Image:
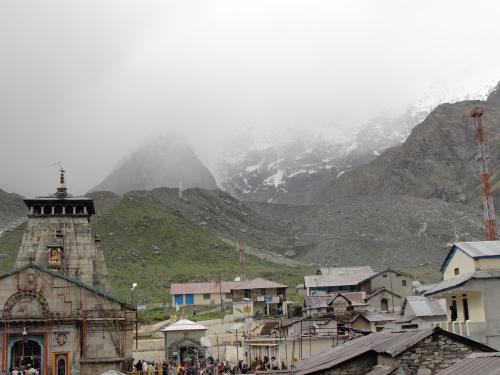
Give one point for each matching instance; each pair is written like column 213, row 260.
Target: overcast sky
column 85, row 82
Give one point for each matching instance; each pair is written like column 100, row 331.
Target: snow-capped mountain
column 293, row 166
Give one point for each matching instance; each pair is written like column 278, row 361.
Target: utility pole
column 483, row 158
column 243, row 275
column 220, row 292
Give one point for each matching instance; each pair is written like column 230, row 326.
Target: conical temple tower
column 58, row 236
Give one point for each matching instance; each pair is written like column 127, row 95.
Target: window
column 403, row 282
column 384, row 275
column 228, row 296
column 206, row 296
column 263, row 292
column 248, row 293
column 457, row 271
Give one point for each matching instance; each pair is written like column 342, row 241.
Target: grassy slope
column 132, row 230
column 10, row 241
column 147, row 245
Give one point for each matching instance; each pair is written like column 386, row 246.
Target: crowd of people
column 23, row 370
column 205, row 367
column 198, row 367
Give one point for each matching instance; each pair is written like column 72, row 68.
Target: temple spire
column 61, row 187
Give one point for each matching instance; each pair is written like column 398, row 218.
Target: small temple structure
column 56, row 312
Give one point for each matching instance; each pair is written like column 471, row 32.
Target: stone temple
column 56, row 312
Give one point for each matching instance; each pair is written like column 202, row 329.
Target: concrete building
column 55, row 311
column 201, row 294
column 471, row 288
column 258, row 296
column 183, row 341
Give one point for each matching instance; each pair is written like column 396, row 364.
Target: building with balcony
column 471, row 288
column 264, row 297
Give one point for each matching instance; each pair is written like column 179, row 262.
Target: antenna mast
column 243, row 275
column 483, row 158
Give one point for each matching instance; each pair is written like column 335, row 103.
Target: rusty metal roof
column 225, row 286
column 477, row 364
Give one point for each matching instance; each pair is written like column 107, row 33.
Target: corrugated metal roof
column 225, row 286
column 345, row 270
column 185, row 325
column 423, row 306
column 461, row 280
column 479, row 249
column 356, row 298
column 333, row 280
column 258, row 283
column 379, row 317
column 477, row 364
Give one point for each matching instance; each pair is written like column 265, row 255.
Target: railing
column 466, row 328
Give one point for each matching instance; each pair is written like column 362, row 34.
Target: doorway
column 24, row 352
column 384, row 305
column 61, row 364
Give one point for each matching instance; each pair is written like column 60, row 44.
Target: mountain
column 296, row 165
column 165, row 162
column 12, row 209
column 436, row 161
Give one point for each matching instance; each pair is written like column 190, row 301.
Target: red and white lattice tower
column 483, row 158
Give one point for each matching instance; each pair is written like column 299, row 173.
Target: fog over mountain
column 87, row 82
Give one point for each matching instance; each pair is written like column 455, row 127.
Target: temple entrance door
column 61, row 364
column 26, row 352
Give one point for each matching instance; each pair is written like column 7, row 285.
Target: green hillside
column 149, row 246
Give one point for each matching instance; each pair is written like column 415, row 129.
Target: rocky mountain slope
column 165, row 162
column 12, row 209
column 436, row 161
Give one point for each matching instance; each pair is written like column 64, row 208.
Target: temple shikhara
column 56, row 312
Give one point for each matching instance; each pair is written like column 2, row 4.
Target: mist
column 86, row 82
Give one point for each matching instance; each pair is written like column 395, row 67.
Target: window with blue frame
column 179, row 299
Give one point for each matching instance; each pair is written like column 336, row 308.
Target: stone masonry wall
column 359, row 366
column 432, row 355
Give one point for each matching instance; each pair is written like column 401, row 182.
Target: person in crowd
column 274, row 364
column 144, row 368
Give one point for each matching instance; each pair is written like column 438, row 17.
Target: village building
column 325, row 305
column 471, row 288
column 249, row 297
column 56, row 312
column 201, row 294
column 406, row 352
column 183, row 341
column 421, row 312
column 384, row 290
column 370, row 321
